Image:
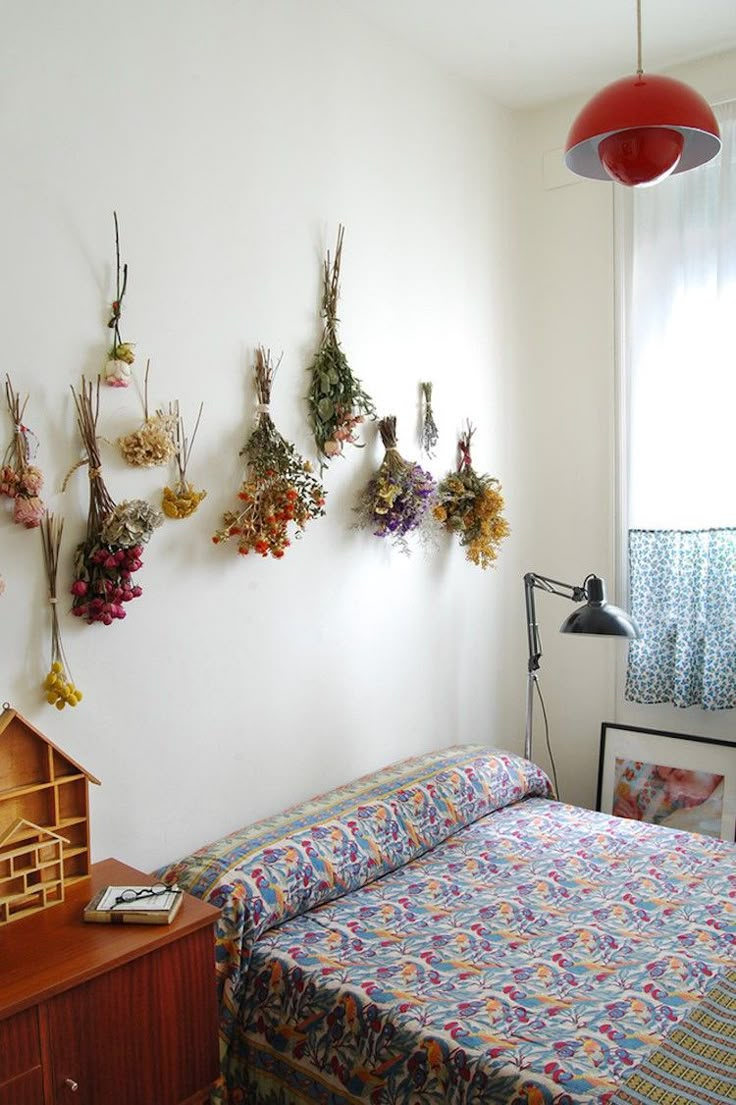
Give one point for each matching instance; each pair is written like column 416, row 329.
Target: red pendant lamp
column 638, row 130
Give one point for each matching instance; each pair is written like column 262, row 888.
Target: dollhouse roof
column 21, row 827
column 7, row 717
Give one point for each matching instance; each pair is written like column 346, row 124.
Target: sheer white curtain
column 679, row 350
column 677, row 263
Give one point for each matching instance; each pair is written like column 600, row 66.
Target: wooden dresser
column 96, row 1014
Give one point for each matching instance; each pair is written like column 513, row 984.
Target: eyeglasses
column 131, row 894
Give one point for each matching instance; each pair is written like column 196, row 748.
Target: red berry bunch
column 103, row 581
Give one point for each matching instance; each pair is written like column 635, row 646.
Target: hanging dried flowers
column 182, row 499
column 20, row 480
column 395, row 501
column 105, row 561
column 279, row 486
column 337, row 401
column 121, row 355
column 153, row 443
column 58, row 685
column 471, row 506
column 430, row 433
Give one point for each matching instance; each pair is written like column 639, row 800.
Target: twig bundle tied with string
column 279, row 487
column 471, row 505
column 337, row 400
column 152, row 443
column 20, row 480
column 430, row 434
column 111, row 552
column 121, row 355
column 396, row 500
column 58, row 685
column 182, row 499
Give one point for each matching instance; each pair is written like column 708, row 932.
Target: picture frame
column 677, row 780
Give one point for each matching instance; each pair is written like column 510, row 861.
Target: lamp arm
column 533, row 581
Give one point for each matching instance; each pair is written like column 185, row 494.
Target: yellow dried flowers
column 471, row 506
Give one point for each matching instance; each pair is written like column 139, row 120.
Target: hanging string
column 639, row 69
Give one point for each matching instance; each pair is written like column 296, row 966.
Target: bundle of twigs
column 182, row 499
column 105, row 561
column 58, row 684
column 20, row 480
column 337, row 401
column 279, row 487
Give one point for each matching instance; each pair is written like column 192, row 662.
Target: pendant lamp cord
column 639, row 68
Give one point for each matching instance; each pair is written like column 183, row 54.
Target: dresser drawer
column 20, row 1048
column 27, row 1089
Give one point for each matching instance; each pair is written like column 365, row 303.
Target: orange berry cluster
column 270, row 503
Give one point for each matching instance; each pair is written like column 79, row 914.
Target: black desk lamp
column 596, row 617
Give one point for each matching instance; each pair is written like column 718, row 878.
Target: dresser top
column 55, row 950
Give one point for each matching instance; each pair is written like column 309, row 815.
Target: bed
column 443, row 932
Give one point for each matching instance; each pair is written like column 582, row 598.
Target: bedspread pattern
column 281, row 867
column 536, row 957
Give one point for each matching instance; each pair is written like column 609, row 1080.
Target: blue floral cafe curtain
column 683, row 597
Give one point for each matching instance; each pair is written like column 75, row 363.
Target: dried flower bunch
column 279, row 487
column 20, row 480
column 152, row 443
column 182, row 499
column 471, row 505
column 58, row 685
column 396, row 500
column 337, row 401
column 105, row 561
column 430, row 434
column 121, row 355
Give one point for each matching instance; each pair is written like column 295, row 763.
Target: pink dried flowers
column 105, row 561
column 20, row 480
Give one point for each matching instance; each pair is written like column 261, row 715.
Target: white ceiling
column 527, row 52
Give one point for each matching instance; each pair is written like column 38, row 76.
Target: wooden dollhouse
column 44, row 819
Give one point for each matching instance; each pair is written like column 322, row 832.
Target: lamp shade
column 598, row 617
column 640, row 129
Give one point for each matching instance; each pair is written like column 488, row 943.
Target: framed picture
column 671, row 779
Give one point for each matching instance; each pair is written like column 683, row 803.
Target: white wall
column 566, row 272
column 232, row 138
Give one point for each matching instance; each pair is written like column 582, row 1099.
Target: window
column 677, row 246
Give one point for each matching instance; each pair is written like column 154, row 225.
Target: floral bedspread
column 537, row 955
column 280, row 868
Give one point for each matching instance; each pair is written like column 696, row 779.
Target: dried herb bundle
column 470, row 506
column 20, row 480
column 105, row 561
column 58, row 685
column 279, row 487
column 152, row 443
column 182, row 499
column 121, row 355
column 337, row 401
column 430, row 434
column 395, row 501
